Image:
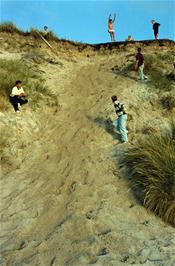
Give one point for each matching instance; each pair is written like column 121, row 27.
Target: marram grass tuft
column 151, row 166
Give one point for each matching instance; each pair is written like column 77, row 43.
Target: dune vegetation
column 10, row 27
column 12, row 70
column 155, row 66
column 151, row 166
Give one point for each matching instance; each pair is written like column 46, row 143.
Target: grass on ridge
column 10, row 27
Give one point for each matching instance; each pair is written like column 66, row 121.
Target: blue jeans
column 121, row 127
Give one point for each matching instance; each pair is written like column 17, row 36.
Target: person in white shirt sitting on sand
column 18, row 96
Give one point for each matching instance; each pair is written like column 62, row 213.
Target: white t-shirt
column 16, row 91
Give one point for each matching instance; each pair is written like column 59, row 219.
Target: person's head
column 139, row 50
column 110, row 20
column 45, row 28
column 18, row 84
column 152, row 21
column 114, row 98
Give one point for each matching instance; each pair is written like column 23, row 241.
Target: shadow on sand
column 119, row 154
column 107, row 124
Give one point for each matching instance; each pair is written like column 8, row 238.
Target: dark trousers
column 17, row 99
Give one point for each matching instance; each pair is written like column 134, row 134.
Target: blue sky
column 86, row 21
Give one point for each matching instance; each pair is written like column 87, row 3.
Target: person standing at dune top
column 156, row 26
column 111, row 27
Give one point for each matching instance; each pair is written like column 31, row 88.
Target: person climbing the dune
column 18, row 96
column 121, row 118
column 111, row 27
column 140, row 64
column 156, row 26
column 45, row 32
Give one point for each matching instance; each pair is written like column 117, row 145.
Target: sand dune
column 66, row 201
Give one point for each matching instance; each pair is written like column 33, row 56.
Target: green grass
column 151, row 166
column 155, row 66
column 33, row 83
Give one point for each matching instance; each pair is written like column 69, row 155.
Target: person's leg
column 139, row 72
column 156, row 35
column 144, row 76
column 141, row 76
column 14, row 102
column 22, row 101
column 113, row 36
column 124, row 137
column 118, row 124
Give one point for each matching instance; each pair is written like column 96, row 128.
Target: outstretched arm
column 114, row 18
column 109, row 17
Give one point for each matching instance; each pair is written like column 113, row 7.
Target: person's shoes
column 17, row 111
column 125, row 142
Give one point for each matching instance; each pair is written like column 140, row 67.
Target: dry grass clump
column 151, row 165
column 5, row 136
column 9, row 27
column 168, row 102
column 51, row 36
column 12, row 70
column 155, row 66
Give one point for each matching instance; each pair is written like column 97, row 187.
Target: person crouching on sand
column 18, row 96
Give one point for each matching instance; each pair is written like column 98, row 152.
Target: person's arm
column 109, row 17
column 124, row 108
column 136, row 64
column 22, row 94
column 13, row 93
column 114, row 18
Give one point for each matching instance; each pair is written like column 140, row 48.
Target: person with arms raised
column 111, row 27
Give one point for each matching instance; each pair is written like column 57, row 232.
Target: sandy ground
column 67, row 202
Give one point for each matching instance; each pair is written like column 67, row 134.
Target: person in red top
column 140, row 64
column 111, row 27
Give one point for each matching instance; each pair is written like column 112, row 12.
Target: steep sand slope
column 67, row 203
